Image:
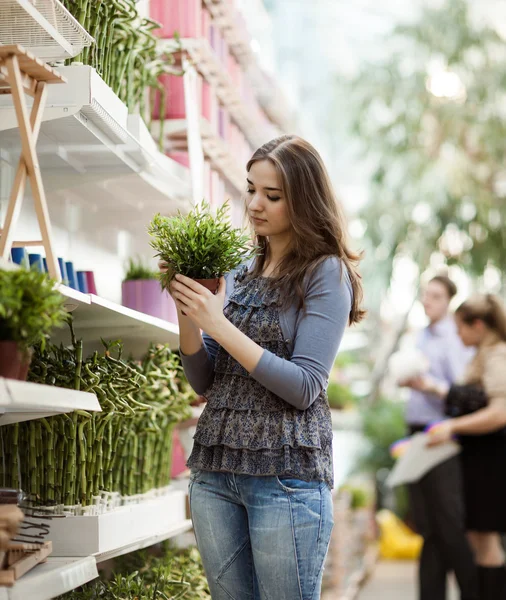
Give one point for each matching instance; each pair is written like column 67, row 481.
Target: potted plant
column 30, row 307
column 141, row 291
column 199, row 245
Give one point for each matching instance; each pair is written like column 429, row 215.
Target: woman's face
column 471, row 335
column 266, row 204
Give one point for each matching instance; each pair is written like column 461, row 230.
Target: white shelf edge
column 25, row 400
column 53, row 578
column 134, row 314
column 182, row 527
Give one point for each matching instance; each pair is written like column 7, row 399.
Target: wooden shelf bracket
column 22, row 73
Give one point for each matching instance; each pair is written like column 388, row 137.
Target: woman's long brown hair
column 317, row 219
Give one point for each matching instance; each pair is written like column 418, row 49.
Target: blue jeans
column 261, row 538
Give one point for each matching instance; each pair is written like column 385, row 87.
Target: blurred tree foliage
column 432, row 120
column 383, row 424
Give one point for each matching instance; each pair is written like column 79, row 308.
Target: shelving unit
column 210, row 67
column 119, row 532
column 24, row 401
column 56, row 576
column 96, row 317
column 89, row 144
column 215, row 149
column 223, row 15
column 270, row 97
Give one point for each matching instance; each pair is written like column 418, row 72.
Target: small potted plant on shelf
column 200, row 245
column 30, row 307
column 141, row 291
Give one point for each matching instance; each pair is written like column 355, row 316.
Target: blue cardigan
column 313, row 336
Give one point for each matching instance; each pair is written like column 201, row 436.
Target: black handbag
column 464, row 400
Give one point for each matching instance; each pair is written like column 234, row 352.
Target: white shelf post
column 195, row 151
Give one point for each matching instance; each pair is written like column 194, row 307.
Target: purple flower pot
column 146, row 295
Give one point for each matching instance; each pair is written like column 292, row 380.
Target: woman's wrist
column 453, row 425
column 218, row 331
column 439, row 388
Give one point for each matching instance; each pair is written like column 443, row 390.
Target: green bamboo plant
column 126, row 53
column 199, row 245
column 127, row 448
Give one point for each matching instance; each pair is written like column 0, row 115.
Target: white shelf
column 53, row 578
column 24, row 401
column 90, row 147
column 62, row 574
column 141, row 543
column 216, row 150
column 210, row 67
column 96, row 317
column 122, row 529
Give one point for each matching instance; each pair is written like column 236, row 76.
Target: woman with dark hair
column 481, row 404
column 262, row 458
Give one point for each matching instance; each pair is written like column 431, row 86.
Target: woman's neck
column 278, row 248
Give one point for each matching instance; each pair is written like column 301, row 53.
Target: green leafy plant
column 340, row 396
column 383, row 424
column 361, row 497
column 138, row 270
column 30, row 307
column 199, row 245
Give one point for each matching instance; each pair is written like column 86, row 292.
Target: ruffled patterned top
column 247, row 429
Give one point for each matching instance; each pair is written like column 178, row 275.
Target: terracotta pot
column 26, row 360
column 14, row 363
column 211, row 284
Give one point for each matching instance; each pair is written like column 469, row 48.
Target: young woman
column 481, row 322
column 262, row 458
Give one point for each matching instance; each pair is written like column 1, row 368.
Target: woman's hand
column 442, row 433
column 203, row 307
column 427, row 385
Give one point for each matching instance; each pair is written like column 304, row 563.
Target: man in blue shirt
column 437, row 500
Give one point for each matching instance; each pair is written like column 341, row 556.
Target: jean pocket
column 293, row 485
column 194, row 474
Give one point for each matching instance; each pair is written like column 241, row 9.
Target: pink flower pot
column 174, row 101
column 146, row 295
